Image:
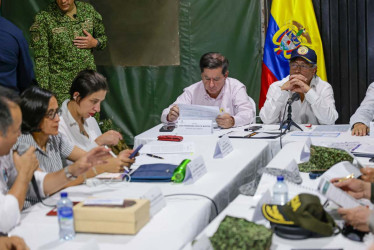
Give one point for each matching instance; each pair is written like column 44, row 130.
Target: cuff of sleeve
column 280, row 95
column 39, row 177
column 311, row 96
column 98, row 45
column 10, row 208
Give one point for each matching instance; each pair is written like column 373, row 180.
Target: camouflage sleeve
column 39, row 43
column 99, row 30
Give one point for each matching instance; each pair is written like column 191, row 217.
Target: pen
column 154, row 156
column 111, row 152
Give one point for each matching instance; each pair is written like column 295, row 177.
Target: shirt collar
column 31, row 141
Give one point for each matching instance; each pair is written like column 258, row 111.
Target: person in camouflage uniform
column 63, row 38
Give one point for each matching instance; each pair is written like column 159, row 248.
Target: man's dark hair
column 34, row 106
column 7, row 97
column 86, row 83
column 214, row 60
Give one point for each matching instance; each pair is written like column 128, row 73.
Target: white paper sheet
column 198, row 112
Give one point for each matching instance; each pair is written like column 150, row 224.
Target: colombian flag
column 292, row 23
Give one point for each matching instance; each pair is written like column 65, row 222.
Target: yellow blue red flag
column 292, row 23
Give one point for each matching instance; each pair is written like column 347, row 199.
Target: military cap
column 306, row 53
column 304, row 211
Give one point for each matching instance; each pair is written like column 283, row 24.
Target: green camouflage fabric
column 237, row 233
column 322, row 158
column 57, row 60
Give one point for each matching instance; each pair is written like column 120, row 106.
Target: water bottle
column 280, row 191
column 65, row 217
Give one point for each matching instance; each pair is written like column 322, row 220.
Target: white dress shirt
column 70, row 128
column 365, row 113
column 318, row 106
column 9, row 207
column 233, row 99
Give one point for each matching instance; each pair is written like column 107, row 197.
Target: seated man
column 216, row 89
column 316, row 104
column 360, row 120
column 16, row 171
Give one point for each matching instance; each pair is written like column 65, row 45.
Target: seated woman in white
column 77, row 123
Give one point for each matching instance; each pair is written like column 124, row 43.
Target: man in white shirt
column 316, row 104
column 16, row 171
column 360, row 120
column 216, row 89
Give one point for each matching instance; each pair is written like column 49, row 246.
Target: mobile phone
column 253, row 128
column 136, row 151
column 167, row 128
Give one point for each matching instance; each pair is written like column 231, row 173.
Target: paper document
column 315, row 134
column 198, row 112
column 336, row 195
column 166, row 147
column 347, row 146
column 332, row 128
column 363, row 150
column 341, row 169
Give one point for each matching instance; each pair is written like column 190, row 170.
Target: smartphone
column 136, row 151
column 167, row 128
column 253, row 128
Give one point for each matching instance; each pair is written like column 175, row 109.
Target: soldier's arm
column 39, row 43
column 99, row 31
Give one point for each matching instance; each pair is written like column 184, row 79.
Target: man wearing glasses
column 216, row 89
column 316, row 104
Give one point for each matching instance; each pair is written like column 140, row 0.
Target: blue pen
column 136, row 151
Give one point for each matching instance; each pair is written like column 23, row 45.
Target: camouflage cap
column 322, row 158
column 305, row 211
column 237, row 233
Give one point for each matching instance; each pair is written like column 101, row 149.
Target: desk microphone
column 293, row 98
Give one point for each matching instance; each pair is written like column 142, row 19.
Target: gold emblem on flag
column 290, row 36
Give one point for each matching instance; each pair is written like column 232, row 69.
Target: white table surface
column 244, row 206
column 176, row 224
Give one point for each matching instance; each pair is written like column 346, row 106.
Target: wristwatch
column 69, row 175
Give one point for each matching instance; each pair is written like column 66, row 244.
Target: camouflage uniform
column 57, row 60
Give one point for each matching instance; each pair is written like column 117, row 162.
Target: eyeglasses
column 51, row 114
column 301, row 66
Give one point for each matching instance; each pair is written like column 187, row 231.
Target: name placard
column 195, row 127
column 156, row 198
column 305, row 154
column 223, row 147
column 195, row 170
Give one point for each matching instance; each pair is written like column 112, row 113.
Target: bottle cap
column 63, row 194
column 280, row 178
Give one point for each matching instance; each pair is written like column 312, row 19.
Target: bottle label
column 65, row 212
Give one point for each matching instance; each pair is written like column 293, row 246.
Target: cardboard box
column 112, row 219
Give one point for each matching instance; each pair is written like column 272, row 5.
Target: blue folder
column 157, row 172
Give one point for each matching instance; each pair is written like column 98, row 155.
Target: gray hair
column 7, row 98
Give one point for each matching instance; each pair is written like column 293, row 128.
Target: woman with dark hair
column 77, row 123
column 41, row 116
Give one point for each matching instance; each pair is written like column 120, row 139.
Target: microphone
column 21, row 149
column 293, row 98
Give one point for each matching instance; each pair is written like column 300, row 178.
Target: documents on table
column 314, row 134
column 198, row 112
column 363, row 150
column 347, row 146
column 248, row 134
column 166, row 147
column 336, row 195
column 332, row 128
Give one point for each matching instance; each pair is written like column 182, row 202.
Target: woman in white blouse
column 77, row 123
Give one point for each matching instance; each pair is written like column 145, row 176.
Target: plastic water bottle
column 280, row 192
column 65, row 217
